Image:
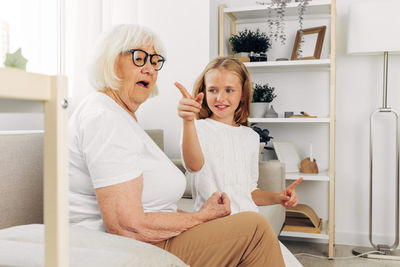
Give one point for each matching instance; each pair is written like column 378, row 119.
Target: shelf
column 322, row 176
column 289, row 120
column 288, row 65
column 260, row 12
column 322, row 235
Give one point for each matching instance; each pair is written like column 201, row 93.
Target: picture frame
column 287, row 153
column 313, row 40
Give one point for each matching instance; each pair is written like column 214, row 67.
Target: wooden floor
column 340, row 251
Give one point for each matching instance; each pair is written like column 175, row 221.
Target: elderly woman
column 122, row 183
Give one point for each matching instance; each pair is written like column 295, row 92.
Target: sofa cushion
column 23, row 246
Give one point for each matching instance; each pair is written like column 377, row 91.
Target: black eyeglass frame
column 132, row 51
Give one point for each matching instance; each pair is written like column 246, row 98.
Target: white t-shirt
column 230, row 164
column 108, row 147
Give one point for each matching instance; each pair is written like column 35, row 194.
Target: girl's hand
column 188, row 106
column 288, row 197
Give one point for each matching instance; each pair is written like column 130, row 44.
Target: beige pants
column 243, row 239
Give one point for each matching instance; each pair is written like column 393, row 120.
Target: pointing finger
column 199, row 98
column 183, row 90
column 295, row 183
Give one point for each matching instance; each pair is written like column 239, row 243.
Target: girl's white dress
column 230, row 166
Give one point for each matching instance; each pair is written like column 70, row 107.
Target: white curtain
column 84, row 20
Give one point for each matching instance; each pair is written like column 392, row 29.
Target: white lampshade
column 374, row 27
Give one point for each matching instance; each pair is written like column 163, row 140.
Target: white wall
column 183, row 26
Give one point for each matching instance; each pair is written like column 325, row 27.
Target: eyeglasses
column 139, row 58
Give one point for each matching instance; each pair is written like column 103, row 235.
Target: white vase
column 258, row 109
column 271, row 113
column 269, row 155
column 260, row 155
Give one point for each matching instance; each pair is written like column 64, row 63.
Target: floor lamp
column 374, row 29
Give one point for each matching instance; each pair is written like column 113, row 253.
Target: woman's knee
column 255, row 221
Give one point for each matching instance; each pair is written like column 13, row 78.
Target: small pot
column 254, row 57
column 263, row 57
column 242, row 56
column 258, row 109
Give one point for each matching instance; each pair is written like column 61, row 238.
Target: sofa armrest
column 271, row 176
column 272, row 179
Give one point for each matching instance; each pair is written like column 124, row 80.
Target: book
column 302, row 218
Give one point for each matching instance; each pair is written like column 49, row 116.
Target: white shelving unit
column 317, row 9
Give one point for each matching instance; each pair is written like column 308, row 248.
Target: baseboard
column 361, row 239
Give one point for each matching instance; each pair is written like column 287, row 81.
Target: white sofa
column 21, row 213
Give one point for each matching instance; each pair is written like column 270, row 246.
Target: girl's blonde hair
column 235, row 66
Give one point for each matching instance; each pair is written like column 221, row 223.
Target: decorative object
column 3, row 41
column 262, row 96
column 302, row 115
column 288, row 114
column 313, row 39
column 271, row 113
column 302, row 218
column 248, row 41
column 276, row 22
column 308, row 166
column 16, row 60
column 287, row 153
column 382, row 19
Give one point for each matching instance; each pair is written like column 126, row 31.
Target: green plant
column 264, row 136
column 250, row 41
column 276, row 17
column 263, row 93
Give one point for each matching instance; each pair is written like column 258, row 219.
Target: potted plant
column 264, row 139
column 262, row 96
column 248, row 41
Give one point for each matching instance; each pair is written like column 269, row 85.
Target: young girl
column 219, row 151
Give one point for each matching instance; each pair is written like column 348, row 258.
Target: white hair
column 110, row 45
